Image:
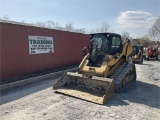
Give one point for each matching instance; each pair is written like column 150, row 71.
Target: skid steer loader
column 106, row 69
column 137, row 54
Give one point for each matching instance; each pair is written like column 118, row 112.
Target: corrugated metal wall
column 15, row 57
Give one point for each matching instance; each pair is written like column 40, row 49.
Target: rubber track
column 119, row 76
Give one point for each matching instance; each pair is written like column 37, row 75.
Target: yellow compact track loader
column 106, row 69
column 137, row 54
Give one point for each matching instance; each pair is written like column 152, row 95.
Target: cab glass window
column 115, row 42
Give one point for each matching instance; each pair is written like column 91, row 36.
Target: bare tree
column 69, row 27
column 50, row 24
column 125, row 35
column 5, row 17
column 146, row 41
column 154, row 31
column 58, row 26
column 91, row 31
column 81, row 30
column 22, row 21
column 40, row 24
column 104, row 27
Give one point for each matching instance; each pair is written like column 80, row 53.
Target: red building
column 28, row 49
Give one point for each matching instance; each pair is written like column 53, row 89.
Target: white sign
column 40, row 44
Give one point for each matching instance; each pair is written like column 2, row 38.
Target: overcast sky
column 133, row 16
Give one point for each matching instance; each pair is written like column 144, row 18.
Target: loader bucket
column 95, row 89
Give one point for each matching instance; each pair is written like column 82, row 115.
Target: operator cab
column 102, row 44
column 140, row 48
column 135, row 50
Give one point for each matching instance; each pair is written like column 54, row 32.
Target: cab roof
column 108, row 34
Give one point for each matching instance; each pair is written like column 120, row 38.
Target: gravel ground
column 39, row 102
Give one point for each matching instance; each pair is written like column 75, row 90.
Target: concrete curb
column 34, row 79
